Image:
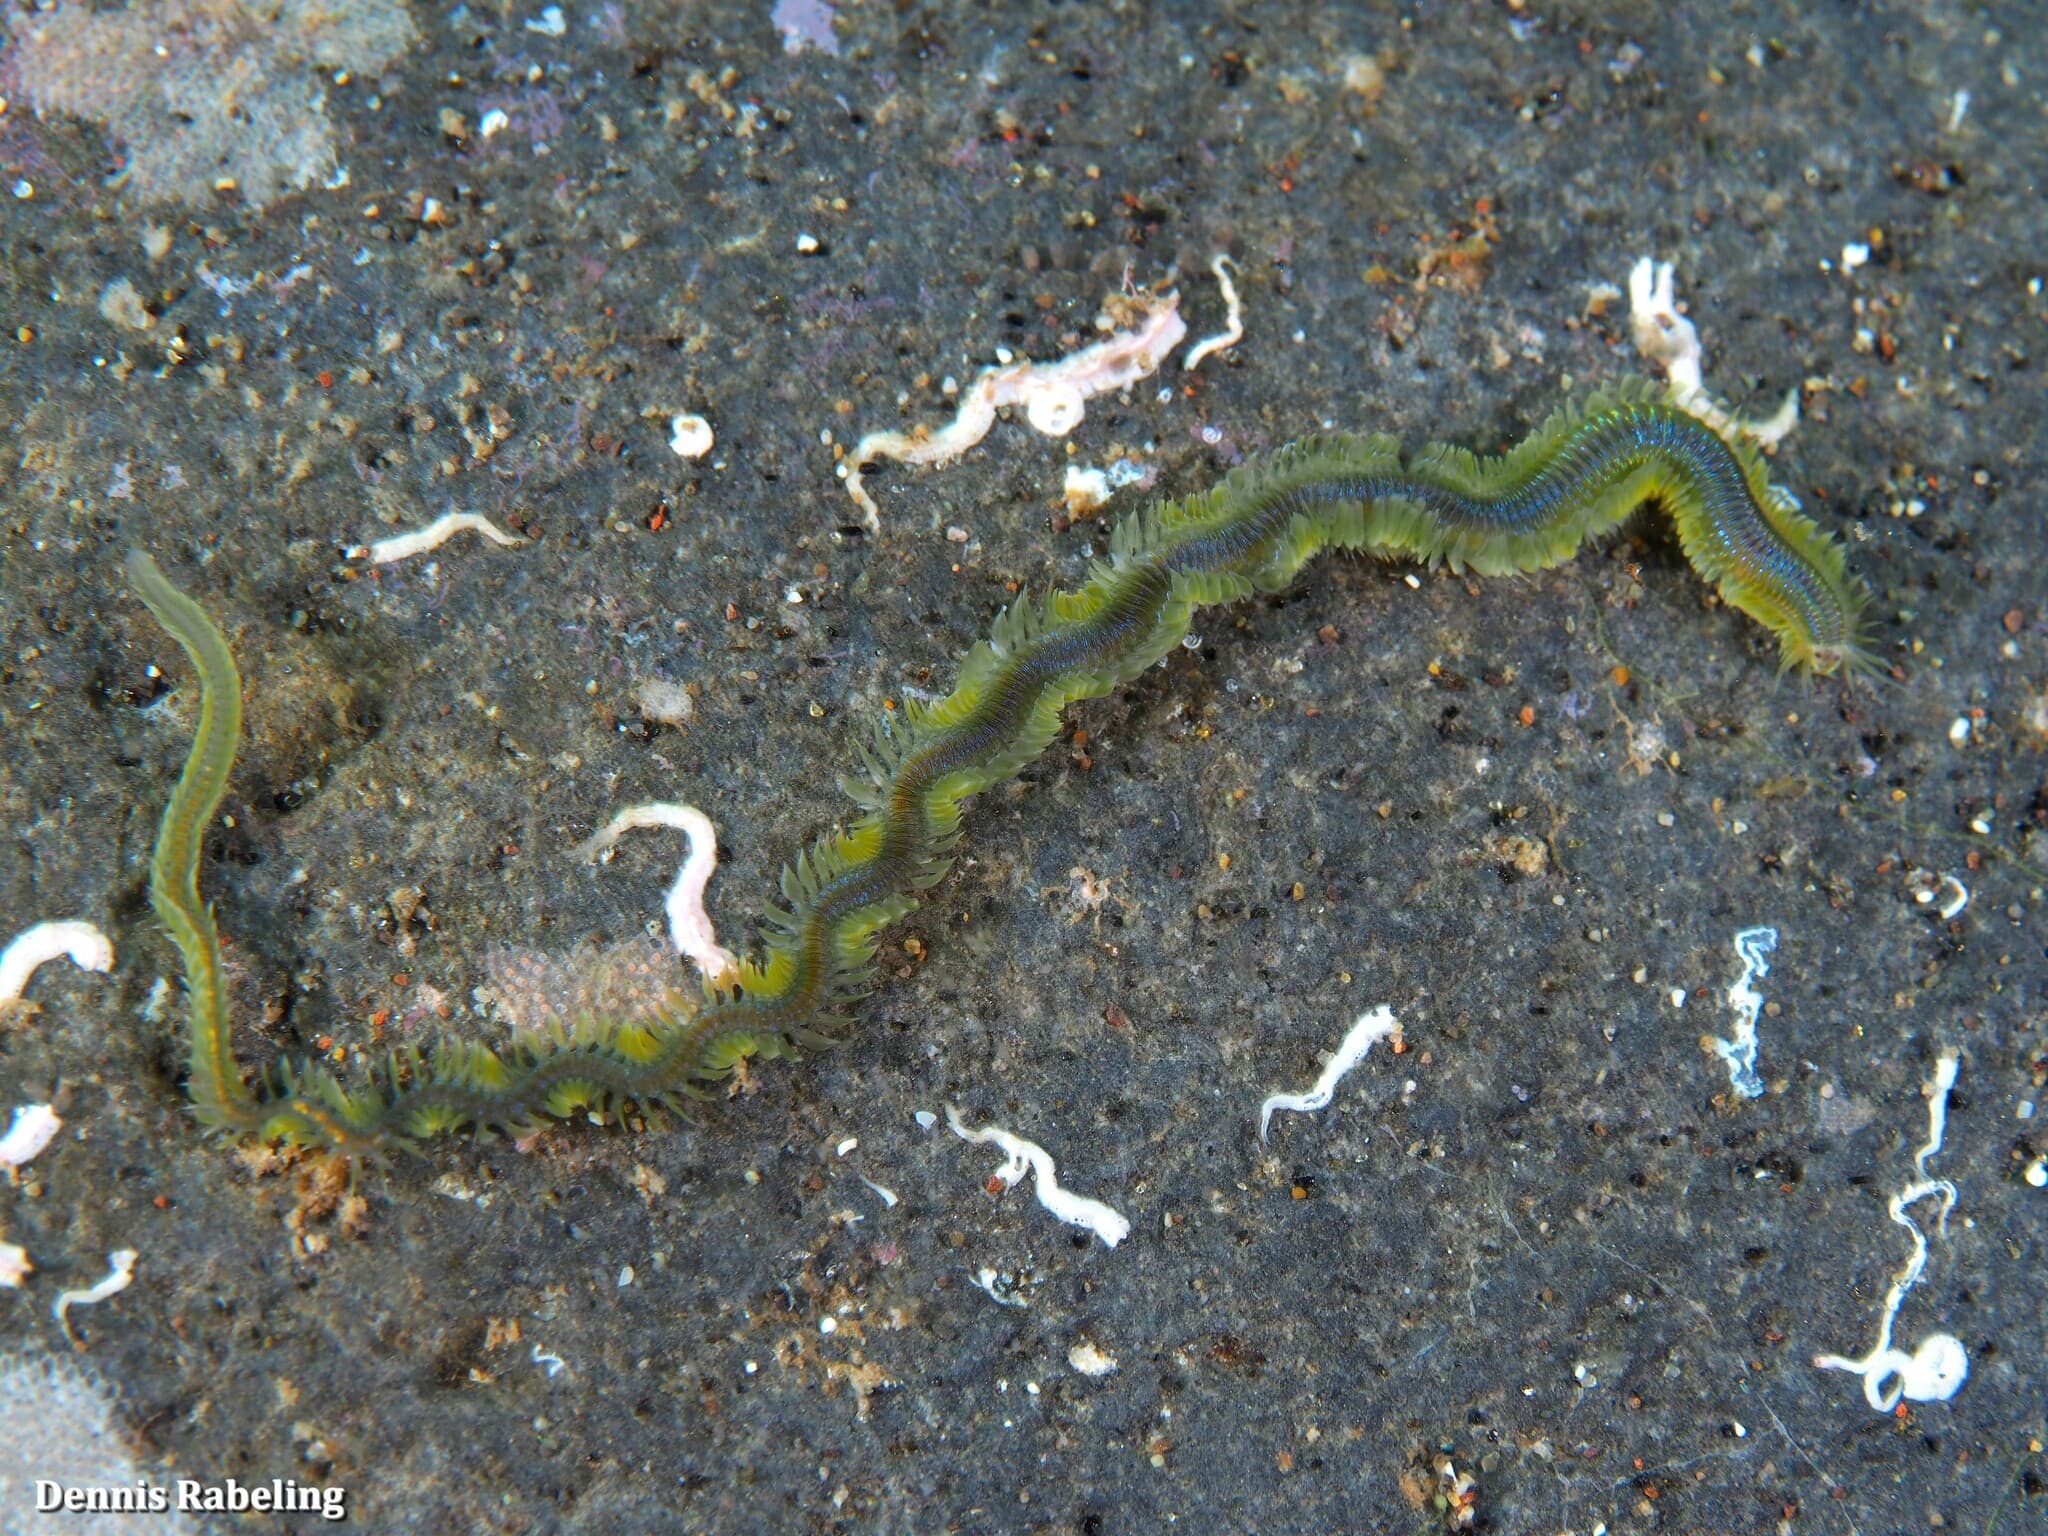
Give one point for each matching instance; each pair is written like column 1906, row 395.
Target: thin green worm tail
column 1573, row 479
column 309, row 1104
column 219, row 1096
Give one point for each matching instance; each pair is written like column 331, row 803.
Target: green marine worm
column 1573, row 479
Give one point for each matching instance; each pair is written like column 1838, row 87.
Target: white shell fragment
column 1954, row 897
column 689, row 437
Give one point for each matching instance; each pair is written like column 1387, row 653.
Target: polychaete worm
column 1573, row 479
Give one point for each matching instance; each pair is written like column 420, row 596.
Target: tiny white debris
column 552, row 1361
column 2037, row 1172
column 689, row 925
column 1745, row 1002
column 1029, row 1157
column 121, row 1270
column 1668, row 339
column 1678, row 997
column 450, row 1186
column 1460, row 1495
column 1936, row 1370
column 1233, row 322
column 1958, row 109
column 1054, row 397
column 1086, row 1358
column 550, row 23
column 32, row 1129
column 806, row 245
column 663, row 700
column 34, row 947
column 14, row 1266
column 888, row 1196
column 925, row 1119
column 846, row 1146
column 1959, row 731
column 121, row 305
column 1366, row 1030
column 625, row 1276
column 828, row 1325
column 1086, row 490
column 689, row 436
column 1854, row 255
column 403, row 546
column 493, row 121
column 1954, row 897
column 998, row 1287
